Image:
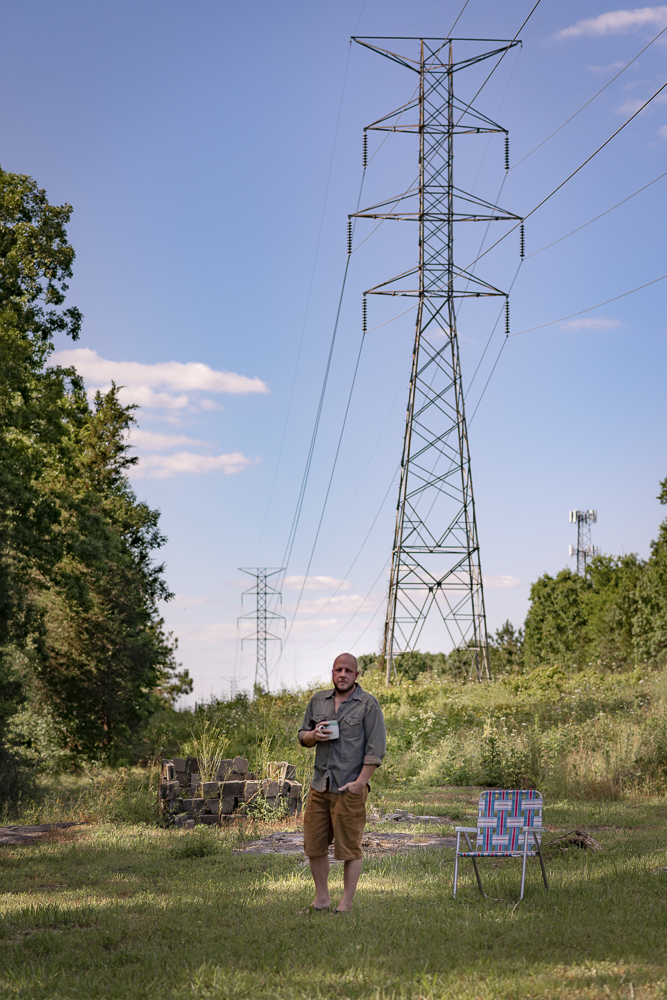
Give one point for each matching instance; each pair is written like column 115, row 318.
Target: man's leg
column 351, row 873
column 349, row 819
column 319, row 868
column 317, row 835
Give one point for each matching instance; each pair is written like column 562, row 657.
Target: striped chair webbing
column 501, row 817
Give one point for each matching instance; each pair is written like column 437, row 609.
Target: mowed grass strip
column 134, row 912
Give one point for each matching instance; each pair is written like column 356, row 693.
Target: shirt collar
column 357, row 693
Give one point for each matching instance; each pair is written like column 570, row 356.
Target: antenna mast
column 435, row 564
column 584, row 550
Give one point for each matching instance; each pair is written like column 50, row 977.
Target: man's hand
column 355, row 786
column 359, row 783
column 320, row 734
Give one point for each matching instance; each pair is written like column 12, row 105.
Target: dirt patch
column 373, row 844
column 30, row 834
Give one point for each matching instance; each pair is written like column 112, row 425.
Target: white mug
column 332, row 724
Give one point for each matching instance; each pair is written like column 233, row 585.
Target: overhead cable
column 570, row 176
column 595, row 219
column 308, row 298
column 590, row 100
column 615, row 298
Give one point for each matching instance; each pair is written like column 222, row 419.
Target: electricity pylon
column 435, row 564
column 262, row 591
column 584, row 550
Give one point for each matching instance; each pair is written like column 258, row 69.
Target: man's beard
column 344, row 690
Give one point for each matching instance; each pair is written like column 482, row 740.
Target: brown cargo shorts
column 334, row 817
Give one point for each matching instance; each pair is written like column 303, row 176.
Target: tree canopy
column 81, row 638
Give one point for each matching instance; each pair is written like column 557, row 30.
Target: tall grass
column 574, row 736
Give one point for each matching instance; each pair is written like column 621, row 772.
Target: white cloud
column 591, row 323
column 315, row 583
column 164, row 466
column 662, row 131
column 606, row 69
column 342, row 605
column 501, row 582
column 161, row 442
column 616, row 22
column 165, row 384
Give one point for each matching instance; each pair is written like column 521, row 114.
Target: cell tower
column 262, row 591
column 584, row 550
column 435, row 566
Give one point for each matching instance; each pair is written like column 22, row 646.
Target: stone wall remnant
column 184, row 798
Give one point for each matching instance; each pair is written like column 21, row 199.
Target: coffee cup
column 332, row 725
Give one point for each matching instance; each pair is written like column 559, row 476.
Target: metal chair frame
column 531, row 833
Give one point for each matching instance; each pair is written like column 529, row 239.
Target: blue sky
column 212, row 153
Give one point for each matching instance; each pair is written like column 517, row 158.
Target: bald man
column 348, row 752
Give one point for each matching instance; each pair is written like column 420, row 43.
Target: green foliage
column 83, row 653
column 650, row 622
column 556, row 619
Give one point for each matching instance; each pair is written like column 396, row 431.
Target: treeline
column 612, row 619
column 84, row 658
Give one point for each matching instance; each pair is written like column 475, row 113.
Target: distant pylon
column 262, row 591
column 435, row 564
column 584, row 550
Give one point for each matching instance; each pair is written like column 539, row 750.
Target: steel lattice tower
column 435, row 564
column 262, row 591
column 584, row 550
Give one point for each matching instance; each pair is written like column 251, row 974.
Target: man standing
column 336, row 806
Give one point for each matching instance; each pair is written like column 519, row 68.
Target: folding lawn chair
column 509, row 825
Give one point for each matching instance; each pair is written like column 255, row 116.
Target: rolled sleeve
column 308, row 723
column 376, row 738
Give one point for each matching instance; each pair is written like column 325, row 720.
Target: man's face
column 344, row 674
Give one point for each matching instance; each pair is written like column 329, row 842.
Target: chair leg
column 523, row 865
column 456, row 869
column 479, row 881
column 539, row 854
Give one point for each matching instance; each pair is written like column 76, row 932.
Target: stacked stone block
column 185, row 798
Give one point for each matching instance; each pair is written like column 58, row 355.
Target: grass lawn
column 134, row 911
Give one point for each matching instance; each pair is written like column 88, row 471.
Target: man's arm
column 376, row 737
column 359, row 783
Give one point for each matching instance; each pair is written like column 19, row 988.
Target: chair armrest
column 465, row 829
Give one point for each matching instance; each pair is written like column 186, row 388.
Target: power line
column 590, row 308
column 570, row 176
column 308, row 297
column 328, row 490
column 516, row 35
column 458, row 17
column 309, row 460
column 590, row 100
column 606, row 212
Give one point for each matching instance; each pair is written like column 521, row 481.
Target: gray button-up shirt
column 362, row 737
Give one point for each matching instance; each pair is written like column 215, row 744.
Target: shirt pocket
column 352, row 737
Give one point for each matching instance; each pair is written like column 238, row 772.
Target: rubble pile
column 186, row 798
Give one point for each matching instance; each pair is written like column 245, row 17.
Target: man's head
column 345, row 672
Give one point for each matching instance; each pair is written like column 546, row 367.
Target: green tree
column 650, row 621
column 81, row 638
column 106, row 652
column 506, row 650
column 556, row 620
column 612, row 606
column 35, row 263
